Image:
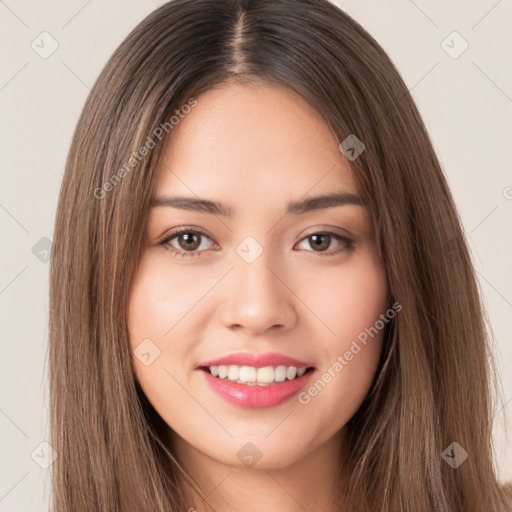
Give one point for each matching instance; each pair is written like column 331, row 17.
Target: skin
column 255, row 148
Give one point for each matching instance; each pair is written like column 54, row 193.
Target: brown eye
column 186, row 242
column 191, row 241
column 320, row 242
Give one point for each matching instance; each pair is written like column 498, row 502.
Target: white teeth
column 223, row 371
column 265, row 374
column 280, row 373
column 261, row 376
column 233, row 372
column 291, row 372
column 247, row 374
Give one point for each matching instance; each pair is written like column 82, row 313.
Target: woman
column 261, row 294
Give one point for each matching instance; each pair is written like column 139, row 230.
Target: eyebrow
column 298, row 207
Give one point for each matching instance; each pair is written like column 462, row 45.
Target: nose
column 260, row 297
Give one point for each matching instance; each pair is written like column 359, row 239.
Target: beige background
column 466, row 103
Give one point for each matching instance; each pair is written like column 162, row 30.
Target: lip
column 254, row 396
column 257, row 360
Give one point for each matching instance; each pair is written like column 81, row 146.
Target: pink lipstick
column 256, row 380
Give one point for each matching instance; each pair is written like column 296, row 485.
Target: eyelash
column 346, row 244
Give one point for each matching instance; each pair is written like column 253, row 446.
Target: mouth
column 256, row 388
column 254, row 376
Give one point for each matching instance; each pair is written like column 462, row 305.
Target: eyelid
column 329, row 229
column 183, row 229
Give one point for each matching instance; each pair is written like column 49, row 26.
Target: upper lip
column 257, row 360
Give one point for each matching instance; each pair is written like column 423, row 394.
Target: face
column 303, row 283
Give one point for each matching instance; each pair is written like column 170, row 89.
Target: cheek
column 153, row 312
column 159, row 303
column 350, row 300
column 163, row 300
column 166, row 319
column 350, row 303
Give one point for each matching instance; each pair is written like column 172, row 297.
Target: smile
column 266, row 376
column 251, row 387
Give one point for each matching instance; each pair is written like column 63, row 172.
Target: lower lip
column 254, row 396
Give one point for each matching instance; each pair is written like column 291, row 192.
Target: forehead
column 252, row 143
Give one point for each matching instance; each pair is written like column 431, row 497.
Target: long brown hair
column 435, row 382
